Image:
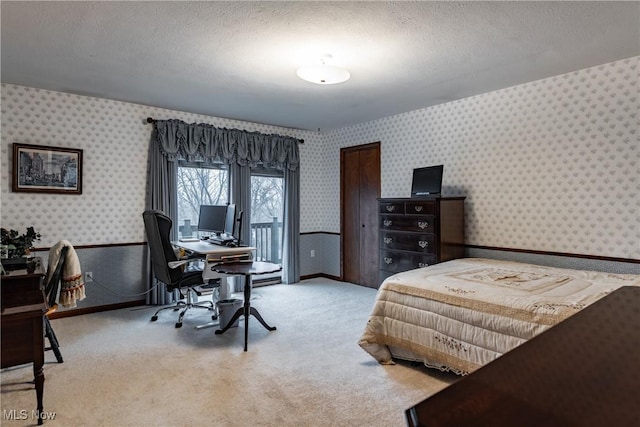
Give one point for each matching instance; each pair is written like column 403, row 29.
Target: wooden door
column 359, row 191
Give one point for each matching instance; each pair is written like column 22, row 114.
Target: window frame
column 181, row 163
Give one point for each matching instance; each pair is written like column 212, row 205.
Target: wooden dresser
column 419, row 232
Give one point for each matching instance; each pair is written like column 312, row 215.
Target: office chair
column 52, row 289
column 187, row 283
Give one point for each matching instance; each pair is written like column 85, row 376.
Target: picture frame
column 45, row 169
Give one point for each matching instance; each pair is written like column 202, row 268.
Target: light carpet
column 120, row 369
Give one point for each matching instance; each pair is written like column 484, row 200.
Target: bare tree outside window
column 210, row 186
column 266, row 198
column 199, row 186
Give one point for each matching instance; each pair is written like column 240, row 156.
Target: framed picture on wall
column 42, row 169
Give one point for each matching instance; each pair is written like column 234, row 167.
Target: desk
column 582, row 372
column 213, row 255
column 247, row 269
column 23, row 308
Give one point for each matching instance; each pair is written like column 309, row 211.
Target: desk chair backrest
column 52, row 287
column 158, row 228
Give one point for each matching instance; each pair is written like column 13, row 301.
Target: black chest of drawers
column 416, row 233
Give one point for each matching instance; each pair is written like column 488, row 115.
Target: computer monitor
column 212, row 218
column 230, row 223
column 427, row 181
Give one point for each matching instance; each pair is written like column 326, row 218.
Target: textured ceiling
column 238, row 59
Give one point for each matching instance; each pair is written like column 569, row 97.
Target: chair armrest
column 176, row 264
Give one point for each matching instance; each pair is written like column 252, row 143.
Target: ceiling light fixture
column 323, row 74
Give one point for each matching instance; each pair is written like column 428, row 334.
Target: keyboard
column 220, row 240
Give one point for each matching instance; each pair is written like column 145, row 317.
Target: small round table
column 248, row 270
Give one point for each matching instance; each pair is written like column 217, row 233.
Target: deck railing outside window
column 265, row 236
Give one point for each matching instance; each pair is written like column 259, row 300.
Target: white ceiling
column 238, row 60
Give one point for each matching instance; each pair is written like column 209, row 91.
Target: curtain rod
column 150, row 120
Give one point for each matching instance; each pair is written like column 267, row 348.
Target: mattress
column 460, row 315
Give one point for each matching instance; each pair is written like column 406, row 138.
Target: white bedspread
column 461, row 314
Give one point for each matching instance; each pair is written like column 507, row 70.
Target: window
column 209, row 185
column 267, row 204
column 199, row 185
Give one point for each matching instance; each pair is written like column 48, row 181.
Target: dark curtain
column 205, row 143
column 161, row 195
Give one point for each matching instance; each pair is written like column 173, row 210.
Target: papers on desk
column 189, row 239
column 215, row 254
column 222, row 258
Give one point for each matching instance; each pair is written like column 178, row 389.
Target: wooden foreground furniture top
column 584, row 371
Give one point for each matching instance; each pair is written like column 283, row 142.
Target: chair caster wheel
column 154, row 318
column 178, row 325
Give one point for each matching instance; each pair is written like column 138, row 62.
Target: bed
column 460, row 315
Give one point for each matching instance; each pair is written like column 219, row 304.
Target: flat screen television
column 212, row 218
column 427, row 181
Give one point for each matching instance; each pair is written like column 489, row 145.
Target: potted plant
column 19, row 245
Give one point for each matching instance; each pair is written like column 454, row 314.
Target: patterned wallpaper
column 550, row 165
column 114, row 138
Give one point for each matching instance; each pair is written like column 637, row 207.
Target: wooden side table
column 248, row 270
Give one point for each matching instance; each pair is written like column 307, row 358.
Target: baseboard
column 266, row 282
column 96, row 309
column 325, row 276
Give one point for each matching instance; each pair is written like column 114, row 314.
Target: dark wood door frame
column 373, row 251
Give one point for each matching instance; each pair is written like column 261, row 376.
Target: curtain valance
column 201, row 142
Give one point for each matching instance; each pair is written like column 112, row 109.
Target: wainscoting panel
column 331, row 251
column 119, row 274
column 326, row 259
column 311, row 265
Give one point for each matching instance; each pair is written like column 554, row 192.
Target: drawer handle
column 391, row 208
column 388, row 260
column 423, row 243
column 388, row 240
column 418, row 208
column 387, row 222
column 423, row 264
column 423, row 224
